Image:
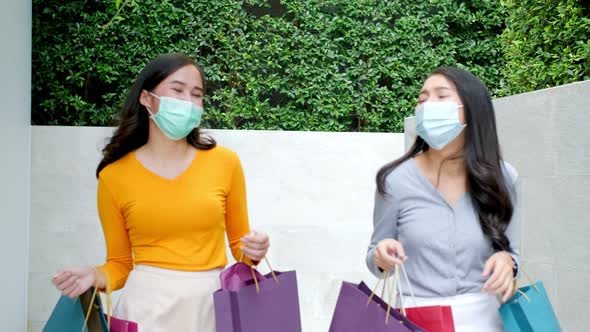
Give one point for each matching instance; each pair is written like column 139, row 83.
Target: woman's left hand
column 501, row 281
column 255, row 245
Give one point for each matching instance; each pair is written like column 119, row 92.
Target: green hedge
column 326, row 65
column 547, row 44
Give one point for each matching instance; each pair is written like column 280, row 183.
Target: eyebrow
column 438, row 88
column 184, row 84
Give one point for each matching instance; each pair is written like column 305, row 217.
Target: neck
column 164, row 148
column 448, row 160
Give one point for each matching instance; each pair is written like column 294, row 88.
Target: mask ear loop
column 461, row 105
column 155, row 96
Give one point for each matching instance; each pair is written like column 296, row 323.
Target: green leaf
column 335, row 65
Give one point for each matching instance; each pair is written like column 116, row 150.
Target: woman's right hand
column 389, row 253
column 74, row 281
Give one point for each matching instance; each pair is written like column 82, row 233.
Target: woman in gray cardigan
column 446, row 208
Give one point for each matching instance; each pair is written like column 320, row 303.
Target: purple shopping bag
column 236, row 276
column 354, row 314
column 269, row 305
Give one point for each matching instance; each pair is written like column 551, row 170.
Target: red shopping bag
column 432, row 318
column 436, row 318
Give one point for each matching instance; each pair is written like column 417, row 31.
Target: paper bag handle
column 94, row 294
column 274, row 276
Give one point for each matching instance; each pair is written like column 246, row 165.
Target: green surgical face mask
column 176, row 118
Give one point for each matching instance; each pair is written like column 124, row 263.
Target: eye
column 197, row 95
column 177, row 90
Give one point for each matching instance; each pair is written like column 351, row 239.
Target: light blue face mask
column 438, row 123
column 176, row 118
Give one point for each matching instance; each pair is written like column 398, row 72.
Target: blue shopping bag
column 529, row 310
column 69, row 315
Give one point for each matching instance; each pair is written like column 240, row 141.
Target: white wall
column 311, row 191
column 546, row 135
column 15, row 87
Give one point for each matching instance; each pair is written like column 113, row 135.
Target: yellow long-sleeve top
column 177, row 224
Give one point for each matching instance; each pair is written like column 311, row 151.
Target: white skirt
column 473, row 312
column 162, row 300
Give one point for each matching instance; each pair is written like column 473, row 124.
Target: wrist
column 99, row 278
column 512, row 262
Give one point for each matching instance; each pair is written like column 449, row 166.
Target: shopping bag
column 121, row 325
column 529, row 310
column 358, row 309
column 434, row 318
column 237, row 276
column 83, row 313
column 267, row 305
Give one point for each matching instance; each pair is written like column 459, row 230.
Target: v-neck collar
column 426, row 182
column 163, row 178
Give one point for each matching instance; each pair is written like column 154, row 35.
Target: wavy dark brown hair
column 133, row 126
column 486, row 182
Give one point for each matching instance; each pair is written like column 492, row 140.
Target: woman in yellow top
column 167, row 196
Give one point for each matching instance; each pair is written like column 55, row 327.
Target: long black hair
column 133, row 127
column 482, row 158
